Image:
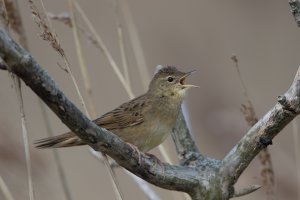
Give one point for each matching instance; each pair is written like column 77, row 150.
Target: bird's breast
column 160, row 123
column 157, row 125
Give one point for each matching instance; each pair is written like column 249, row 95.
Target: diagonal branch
column 23, row 65
column 203, row 178
column 251, row 118
column 185, row 145
column 295, row 9
column 261, row 134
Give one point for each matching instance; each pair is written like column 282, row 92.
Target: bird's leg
column 135, row 149
column 151, row 156
column 157, row 161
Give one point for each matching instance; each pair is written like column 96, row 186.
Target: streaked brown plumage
column 145, row 121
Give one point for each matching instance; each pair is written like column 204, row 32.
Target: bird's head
column 170, row 82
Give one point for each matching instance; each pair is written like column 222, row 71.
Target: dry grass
column 82, row 63
column 54, row 42
column 46, row 33
column 121, row 40
column 12, row 19
column 104, row 49
column 95, row 39
column 57, row 159
column 88, row 88
column 6, row 192
column 17, row 26
column 3, row 14
column 17, row 85
column 136, row 45
column 264, row 156
column 62, row 17
column 15, row 21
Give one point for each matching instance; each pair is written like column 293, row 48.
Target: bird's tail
column 64, row 140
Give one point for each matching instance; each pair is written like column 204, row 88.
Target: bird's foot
column 157, row 162
column 135, row 149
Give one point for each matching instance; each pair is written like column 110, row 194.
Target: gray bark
column 199, row 176
column 295, row 8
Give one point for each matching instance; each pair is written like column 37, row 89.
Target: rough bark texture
column 295, row 8
column 199, row 176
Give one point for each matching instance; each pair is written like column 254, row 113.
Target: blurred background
column 201, row 35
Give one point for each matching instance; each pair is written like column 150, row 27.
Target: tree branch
column 3, row 65
column 23, row 65
column 261, row 134
column 201, row 177
column 186, row 148
column 295, row 6
column 246, row 191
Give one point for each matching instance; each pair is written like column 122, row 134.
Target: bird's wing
column 126, row 115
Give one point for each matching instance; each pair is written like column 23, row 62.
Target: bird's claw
column 135, row 149
column 157, row 161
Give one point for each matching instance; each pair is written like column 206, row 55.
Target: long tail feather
column 63, row 140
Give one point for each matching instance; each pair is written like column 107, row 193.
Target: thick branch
column 22, row 64
column 185, row 145
column 295, row 6
column 261, row 134
column 201, row 177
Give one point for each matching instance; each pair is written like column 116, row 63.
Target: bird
column 143, row 122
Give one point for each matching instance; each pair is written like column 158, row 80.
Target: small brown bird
column 145, row 121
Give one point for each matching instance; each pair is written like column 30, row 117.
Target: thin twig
column 19, row 29
column 141, row 62
column 15, row 20
column 6, row 192
column 3, row 14
column 135, row 44
column 66, row 62
column 57, row 159
column 114, row 66
column 88, row 89
column 104, row 49
column 246, row 191
column 62, row 17
column 140, row 59
column 48, row 29
column 121, row 41
column 143, row 185
column 82, row 63
column 49, row 35
column 248, row 110
column 17, row 85
column 94, row 41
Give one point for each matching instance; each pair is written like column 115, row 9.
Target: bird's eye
column 170, row 79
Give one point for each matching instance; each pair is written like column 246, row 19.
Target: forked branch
column 23, row 65
column 199, row 176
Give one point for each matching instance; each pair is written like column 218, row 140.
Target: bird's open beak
column 182, row 79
